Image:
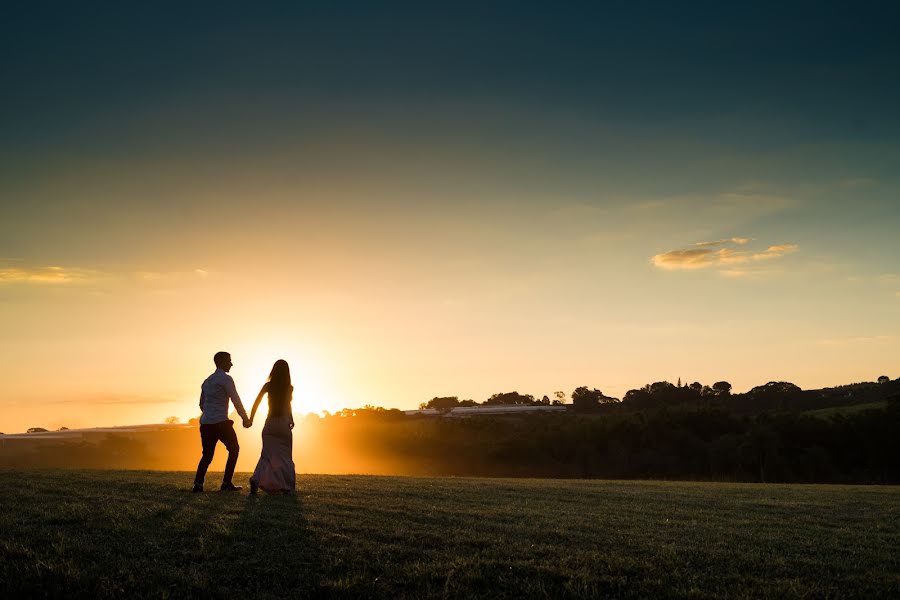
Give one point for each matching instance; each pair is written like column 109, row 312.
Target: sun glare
column 309, row 375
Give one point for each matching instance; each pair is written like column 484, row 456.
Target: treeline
column 582, row 397
column 773, row 396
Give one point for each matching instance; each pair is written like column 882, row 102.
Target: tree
column 172, row 420
column 545, row 400
column 884, row 379
column 775, row 395
column 587, row 399
column 441, row 402
column 559, row 397
column 514, row 398
column 775, row 387
column 722, row 388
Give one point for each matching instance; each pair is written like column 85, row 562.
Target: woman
column 275, row 470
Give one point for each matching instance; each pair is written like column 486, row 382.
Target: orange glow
column 309, row 375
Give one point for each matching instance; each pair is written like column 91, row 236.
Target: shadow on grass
column 270, row 548
column 223, row 543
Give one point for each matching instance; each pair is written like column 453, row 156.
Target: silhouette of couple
column 275, row 470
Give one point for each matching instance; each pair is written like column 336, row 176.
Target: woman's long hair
column 280, row 382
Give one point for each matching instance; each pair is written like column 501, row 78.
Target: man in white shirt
column 215, row 426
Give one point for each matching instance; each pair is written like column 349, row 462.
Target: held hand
column 248, row 423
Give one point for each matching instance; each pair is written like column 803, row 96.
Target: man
column 215, row 426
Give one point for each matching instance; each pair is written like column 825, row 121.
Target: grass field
column 133, row 533
column 847, row 410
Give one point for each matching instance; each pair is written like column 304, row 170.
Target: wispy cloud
column 47, row 275
column 113, row 399
column 735, row 240
column 741, row 204
column 723, row 254
column 57, row 275
column 170, row 277
column 857, row 183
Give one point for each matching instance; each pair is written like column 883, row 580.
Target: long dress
column 275, row 472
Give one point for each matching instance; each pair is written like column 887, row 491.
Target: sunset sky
column 422, row 199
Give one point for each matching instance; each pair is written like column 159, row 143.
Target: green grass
column 847, row 410
column 133, row 533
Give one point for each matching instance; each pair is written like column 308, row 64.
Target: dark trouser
column 209, row 436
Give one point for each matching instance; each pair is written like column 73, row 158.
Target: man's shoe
column 230, row 487
column 254, row 487
column 198, row 487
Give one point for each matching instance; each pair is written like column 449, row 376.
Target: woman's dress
column 275, row 472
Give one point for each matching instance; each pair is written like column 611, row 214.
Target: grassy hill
column 134, row 533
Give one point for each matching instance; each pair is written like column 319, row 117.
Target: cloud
column 168, row 278
column 720, row 253
column 735, row 240
column 114, row 399
column 741, row 205
column 62, row 276
column 753, row 203
column 859, row 182
column 46, row 275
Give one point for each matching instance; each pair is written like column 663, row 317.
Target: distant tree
column 194, row 421
column 36, row 430
column 722, row 388
column 172, row 420
column 442, row 402
column 775, row 387
column 697, row 387
column 661, row 388
column 775, row 395
column 559, row 397
column 640, row 398
column 468, row 402
column 63, row 429
column 884, row 379
column 545, row 400
column 588, row 399
column 510, row 398
column 662, row 393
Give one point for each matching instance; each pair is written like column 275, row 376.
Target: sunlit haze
column 415, row 201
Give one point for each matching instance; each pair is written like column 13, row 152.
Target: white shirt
column 214, row 395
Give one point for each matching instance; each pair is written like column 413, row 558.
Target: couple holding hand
column 275, row 470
